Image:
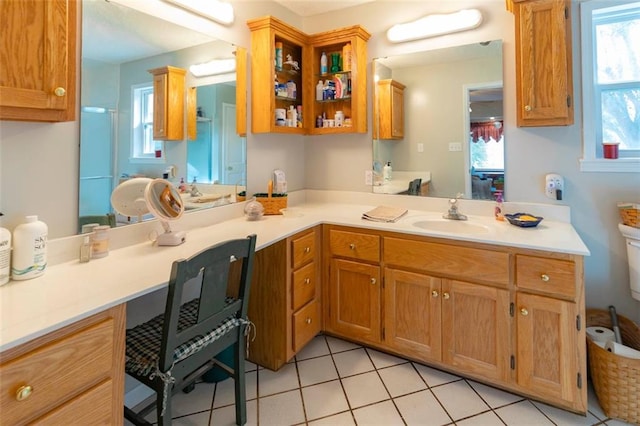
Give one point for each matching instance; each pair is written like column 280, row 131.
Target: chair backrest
column 220, row 273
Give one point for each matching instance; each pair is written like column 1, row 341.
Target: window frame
column 136, row 155
column 591, row 160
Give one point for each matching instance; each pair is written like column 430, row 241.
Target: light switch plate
column 455, row 146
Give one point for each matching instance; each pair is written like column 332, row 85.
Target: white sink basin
column 453, row 226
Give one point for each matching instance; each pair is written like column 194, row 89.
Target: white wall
column 38, row 162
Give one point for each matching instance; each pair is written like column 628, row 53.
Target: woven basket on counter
column 272, row 202
column 616, row 379
column 630, row 214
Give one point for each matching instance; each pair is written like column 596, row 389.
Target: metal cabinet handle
column 307, row 280
column 527, row 108
column 434, row 293
column 352, row 246
column 59, row 92
column 308, row 321
column 524, row 312
column 24, row 392
column 373, row 280
column 545, row 277
column 307, row 249
column 445, row 295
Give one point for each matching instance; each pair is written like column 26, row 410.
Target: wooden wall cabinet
column 38, row 72
column 169, row 98
column 544, row 73
column 285, row 301
column 74, row 375
column 389, row 108
column 306, row 51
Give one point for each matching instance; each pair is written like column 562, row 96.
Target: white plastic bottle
column 319, row 90
column 5, row 255
column 386, row 172
column 323, row 63
column 29, row 258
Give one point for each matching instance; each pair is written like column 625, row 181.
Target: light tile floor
column 334, row 382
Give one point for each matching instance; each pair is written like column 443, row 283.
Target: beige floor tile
column 522, row 413
column 485, row 419
column 352, row 362
column 382, row 360
column 338, row 345
column 317, row 370
column 383, row 414
column 270, row 382
column 364, row 389
column 459, row 399
column 565, row 418
column 494, row 397
column 225, row 390
column 200, row 419
column 324, row 399
column 401, row 379
column 434, row 377
column 281, row 409
column 226, row 416
column 342, row 419
column 421, row 408
column 316, row 347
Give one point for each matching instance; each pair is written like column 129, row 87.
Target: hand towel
column 384, row 214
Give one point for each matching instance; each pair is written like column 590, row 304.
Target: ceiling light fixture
column 214, row 67
column 217, row 10
column 435, row 25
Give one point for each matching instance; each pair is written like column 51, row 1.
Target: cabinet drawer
column 303, row 250
column 555, row 277
column 304, row 285
column 355, row 245
column 91, row 408
column 306, row 324
column 455, row 261
column 56, row 372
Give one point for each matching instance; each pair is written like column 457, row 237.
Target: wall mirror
column 120, row 45
column 438, row 122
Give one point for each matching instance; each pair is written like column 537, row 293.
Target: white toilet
column 632, row 236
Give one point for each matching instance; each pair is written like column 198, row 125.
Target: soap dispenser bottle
column 499, row 208
column 386, row 172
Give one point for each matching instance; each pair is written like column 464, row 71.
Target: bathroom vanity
column 498, row 304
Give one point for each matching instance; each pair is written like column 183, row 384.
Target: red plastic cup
column 610, row 150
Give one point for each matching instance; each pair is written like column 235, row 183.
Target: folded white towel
column 384, row 214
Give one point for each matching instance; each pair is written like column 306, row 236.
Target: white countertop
column 70, row 291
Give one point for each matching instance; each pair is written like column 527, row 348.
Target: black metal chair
column 172, row 350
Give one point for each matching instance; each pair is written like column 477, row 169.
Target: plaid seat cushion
column 143, row 341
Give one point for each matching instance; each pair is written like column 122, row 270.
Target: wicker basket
column 630, row 214
column 272, row 203
column 616, row 379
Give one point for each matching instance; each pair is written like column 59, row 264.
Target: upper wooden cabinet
column 38, row 56
column 389, row 108
column 168, row 103
column 544, row 76
column 297, row 63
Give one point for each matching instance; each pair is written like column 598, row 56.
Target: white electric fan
column 139, row 196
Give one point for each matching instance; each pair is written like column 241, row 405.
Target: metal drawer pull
column 59, row 92
column 445, row 295
column 307, row 249
column 434, row 293
column 352, row 246
column 373, row 280
column 308, row 321
column 527, row 108
column 524, row 312
column 545, row 277
column 307, row 280
column 24, row 392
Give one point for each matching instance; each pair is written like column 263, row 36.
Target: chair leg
column 163, row 420
column 239, row 381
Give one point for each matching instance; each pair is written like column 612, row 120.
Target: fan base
column 172, row 238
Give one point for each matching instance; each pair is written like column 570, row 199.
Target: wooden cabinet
column 169, row 97
column 389, row 108
column 38, row 72
column 544, row 75
column 285, row 301
column 71, row 376
column 269, row 34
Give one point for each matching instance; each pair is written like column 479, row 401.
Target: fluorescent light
column 214, row 67
column 435, row 25
column 219, row 11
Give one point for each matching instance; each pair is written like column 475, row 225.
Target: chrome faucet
column 453, row 212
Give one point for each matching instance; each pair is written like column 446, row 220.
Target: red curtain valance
column 486, row 130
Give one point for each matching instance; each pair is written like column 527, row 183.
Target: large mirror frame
column 451, row 112
column 120, row 45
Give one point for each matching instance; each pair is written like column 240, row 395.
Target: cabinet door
column 354, row 300
column 38, row 72
column 475, row 329
column 544, row 81
column 412, row 314
column 546, row 346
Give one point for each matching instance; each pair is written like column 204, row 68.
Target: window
column 611, row 84
column 143, row 147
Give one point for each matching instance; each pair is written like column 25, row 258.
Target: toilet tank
column 632, row 236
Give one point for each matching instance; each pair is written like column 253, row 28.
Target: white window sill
column 620, row 165
column 150, row 160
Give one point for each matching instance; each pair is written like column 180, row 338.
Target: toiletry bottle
column 386, row 171
column 279, row 55
column 323, row 63
column 498, row 211
column 5, row 255
column 29, row 259
column 319, row 90
column 346, row 57
column 183, row 186
column 100, row 242
column 85, row 249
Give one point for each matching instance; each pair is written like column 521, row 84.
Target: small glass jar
column 100, row 242
column 253, row 210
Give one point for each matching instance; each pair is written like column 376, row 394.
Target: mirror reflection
column 120, row 46
column 438, row 122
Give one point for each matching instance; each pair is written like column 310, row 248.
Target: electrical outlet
column 554, row 186
column 420, row 147
column 455, row 146
column 368, row 177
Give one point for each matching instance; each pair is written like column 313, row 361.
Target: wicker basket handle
column 269, row 188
